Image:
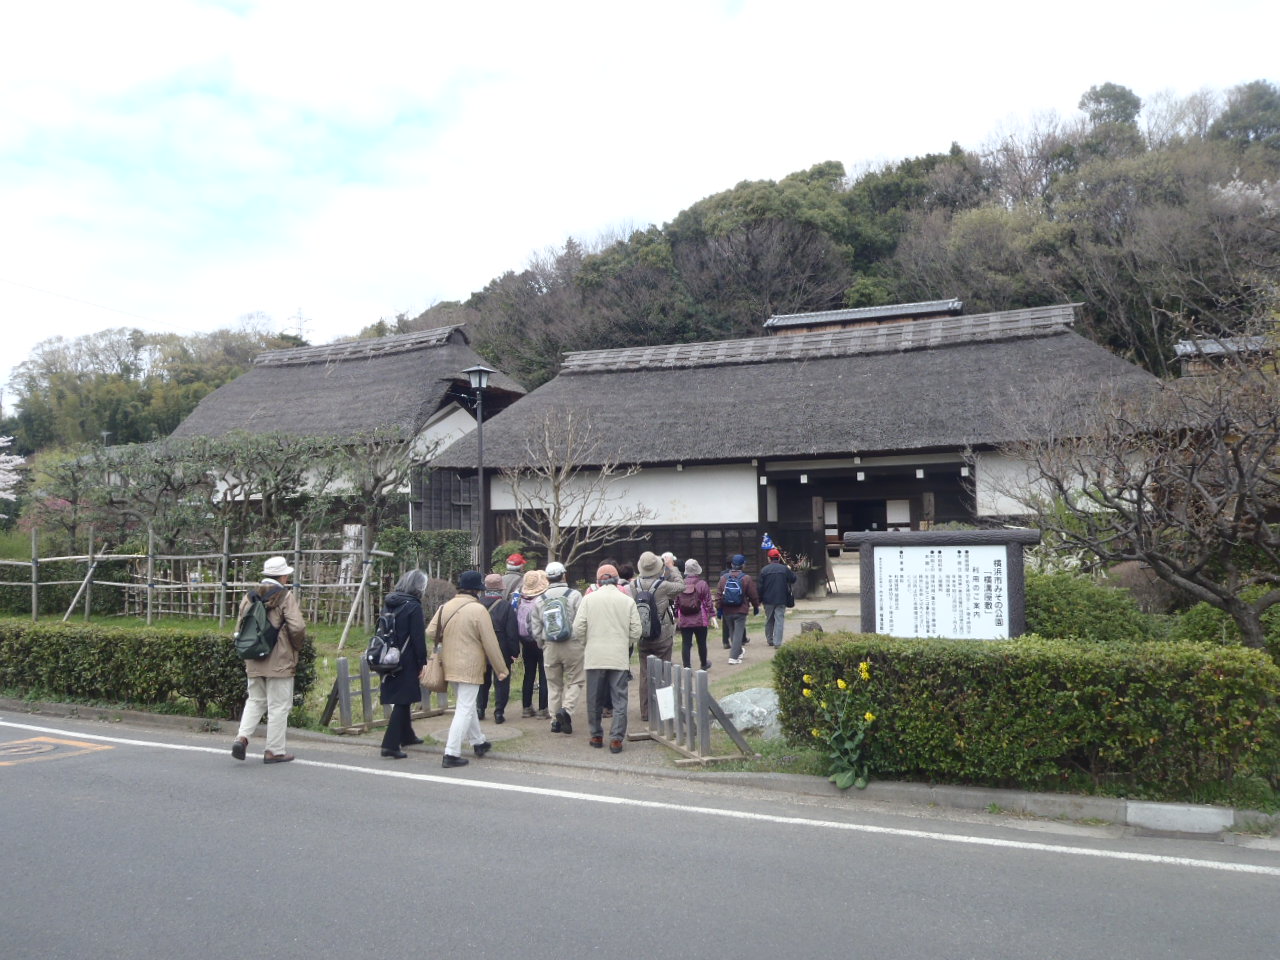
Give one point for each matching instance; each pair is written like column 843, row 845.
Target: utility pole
column 301, row 321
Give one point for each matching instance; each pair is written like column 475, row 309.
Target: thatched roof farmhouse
column 815, row 433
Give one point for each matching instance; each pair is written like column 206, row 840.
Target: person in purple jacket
column 694, row 611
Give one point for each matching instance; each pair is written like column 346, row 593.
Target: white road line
column 454, row 781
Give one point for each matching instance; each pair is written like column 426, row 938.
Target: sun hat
column 471, row 580
column 555, row 570
column 276, row 567
column 493, row 581
column 535, row 584
column 692, row 566
column 649, row 565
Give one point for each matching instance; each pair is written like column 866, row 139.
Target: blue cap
column 471, row 580
column 738, row 560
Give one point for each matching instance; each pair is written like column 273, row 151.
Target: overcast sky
column 175, row 165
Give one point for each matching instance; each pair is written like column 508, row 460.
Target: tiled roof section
column 363, row 349
column 903, row 310
column 888, row 338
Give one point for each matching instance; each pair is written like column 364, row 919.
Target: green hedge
column 1069, row 605
column 1157, row 719
column 135, row 665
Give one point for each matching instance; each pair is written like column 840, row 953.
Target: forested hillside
column 1160, row 217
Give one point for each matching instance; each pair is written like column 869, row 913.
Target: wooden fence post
column 35, row 574
column 226, row 569
column 151, row 573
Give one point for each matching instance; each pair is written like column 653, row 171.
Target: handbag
column 791, row 597
column 433, row 673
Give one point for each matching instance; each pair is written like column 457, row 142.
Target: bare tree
column 571, row 493
column 1186, row 480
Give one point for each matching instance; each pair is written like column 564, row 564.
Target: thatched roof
column 893, row 311
column 926, row 385
column 349, row 389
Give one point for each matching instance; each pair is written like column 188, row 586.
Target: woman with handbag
column 464, row 631
column 401, row 689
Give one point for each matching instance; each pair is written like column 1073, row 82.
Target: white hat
column 555, row 570
column 276, row 567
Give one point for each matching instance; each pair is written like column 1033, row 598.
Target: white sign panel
column 961, row 592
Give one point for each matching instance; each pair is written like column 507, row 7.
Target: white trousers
column 465, row 722
column 274, row 697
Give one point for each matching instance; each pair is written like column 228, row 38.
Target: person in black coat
column 401, row 690
column 503, row 616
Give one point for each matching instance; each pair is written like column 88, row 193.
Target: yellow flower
column 807, row 678
column 807, row 692
column 868, row 716
column 822, row 704
column 864, row 670
column 816, row 733
column 842, row 685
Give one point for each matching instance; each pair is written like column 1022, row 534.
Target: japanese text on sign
column 959, row 592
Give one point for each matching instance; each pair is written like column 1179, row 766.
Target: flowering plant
column 796, row 561
column 842, row 728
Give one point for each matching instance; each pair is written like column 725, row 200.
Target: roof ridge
column 895, row 310
column 886, row 338
column 362, row 349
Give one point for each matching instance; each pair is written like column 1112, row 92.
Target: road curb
column 1203, row 821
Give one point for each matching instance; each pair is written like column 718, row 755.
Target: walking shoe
column 394, row 754
column 480, row 749
column 564, row 720
column 237, row 747
column 735, row 659
column 479, row 714
column 555, row 725
column 412, row 742
column 543, row 715
column 451, row 761
column 615, row 746
column 527, row 712
column 597, row 741
column 269, row 757
column 498, row 717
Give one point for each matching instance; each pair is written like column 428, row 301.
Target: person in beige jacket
column 270, row 680
column 468, row 641
column 608, row 623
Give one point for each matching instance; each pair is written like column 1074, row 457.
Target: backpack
column 688, row 602
column 524, row 607
column 650, row 612
column 382, row 655
column 557, row 626
column 255, row 635
column 731, row 594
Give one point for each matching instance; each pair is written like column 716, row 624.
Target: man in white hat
column 271, row 678
column 663, row 583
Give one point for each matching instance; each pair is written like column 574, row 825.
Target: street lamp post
column 479, row 377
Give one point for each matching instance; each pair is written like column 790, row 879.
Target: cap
column 607, row 571
column 738, row 560
column 775, row 554
column 515, row 561
column 555, row 570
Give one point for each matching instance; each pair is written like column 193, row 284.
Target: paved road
column 148, row 843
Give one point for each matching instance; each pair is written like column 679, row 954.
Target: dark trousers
column 501, row 693
column 534, row 670
column 687, row 636
column 399, row 729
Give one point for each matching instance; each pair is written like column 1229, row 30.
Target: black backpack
column 650, row 612
column 255, row 635
column 382, row 655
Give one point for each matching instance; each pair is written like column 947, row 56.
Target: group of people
column 573, row 643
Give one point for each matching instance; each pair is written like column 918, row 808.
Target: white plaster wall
column 997, row 482
column 695, row 495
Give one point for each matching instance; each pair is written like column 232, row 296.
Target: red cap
column 515, row 560
column 775, row 554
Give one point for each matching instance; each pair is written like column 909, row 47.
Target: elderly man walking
column 552, row 628
column 663, row 583
column 608, row 623
column 271, row 678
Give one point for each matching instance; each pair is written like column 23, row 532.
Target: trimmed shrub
column 141, row 666
column 1069, row 605
column 1157, row 719
column 16, row 600
column 1207, row 624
